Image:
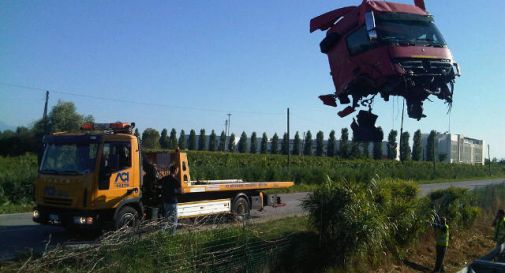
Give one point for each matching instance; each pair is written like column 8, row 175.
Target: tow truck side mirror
column 371, row 26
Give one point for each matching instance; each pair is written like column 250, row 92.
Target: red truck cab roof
column 356, row 14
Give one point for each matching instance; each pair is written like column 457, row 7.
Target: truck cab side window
column 116, row 156
column 358, row 42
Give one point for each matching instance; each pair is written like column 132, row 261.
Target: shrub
column 348, row 219
column 458, row 205
column 357, row 220
column 490, row 198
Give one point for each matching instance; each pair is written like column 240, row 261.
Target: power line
column 190, row 108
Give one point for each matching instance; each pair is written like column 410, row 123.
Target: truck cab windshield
column 69, row 158
column 409, row 29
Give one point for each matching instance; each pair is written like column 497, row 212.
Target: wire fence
column 209, row 244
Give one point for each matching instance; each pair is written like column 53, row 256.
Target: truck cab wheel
column 127, row 216
column 241, row 209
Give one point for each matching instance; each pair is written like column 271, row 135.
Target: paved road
column 19, row 234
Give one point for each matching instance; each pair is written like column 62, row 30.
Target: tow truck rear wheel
column 241, row 209
column 126, row 217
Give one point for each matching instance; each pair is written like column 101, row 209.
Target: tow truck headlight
column 83, row 220
column 36, row 214
column 80, row 220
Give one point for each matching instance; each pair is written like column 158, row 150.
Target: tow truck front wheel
column 241, row 209
column 126, row 217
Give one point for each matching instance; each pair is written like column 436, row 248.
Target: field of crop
column 18, row 173
column 16, row 177
column 314, row 170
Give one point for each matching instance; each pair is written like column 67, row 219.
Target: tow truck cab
column 86, row 178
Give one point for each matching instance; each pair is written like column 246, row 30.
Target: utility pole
column 229, row 123
column 46, row 129
column 289, row 148
column 433, row 154
column 44, row 117
column 489, row 159
column 401, row 132
column 449, row 123
column 303, row 145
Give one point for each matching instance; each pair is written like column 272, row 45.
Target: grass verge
column 283, row 245
column 16, row 208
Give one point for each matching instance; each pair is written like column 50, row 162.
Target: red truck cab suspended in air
column 384, row 48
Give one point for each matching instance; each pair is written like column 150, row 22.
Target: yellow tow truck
column 101, row 178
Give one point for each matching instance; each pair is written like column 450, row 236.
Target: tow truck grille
column 424, row 67
column 57, row 201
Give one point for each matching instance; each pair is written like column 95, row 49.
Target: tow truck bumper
column 86, row 219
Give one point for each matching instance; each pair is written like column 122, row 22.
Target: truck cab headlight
column 36, row 214
column 457, row 69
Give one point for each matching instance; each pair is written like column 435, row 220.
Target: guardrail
column 491, row 262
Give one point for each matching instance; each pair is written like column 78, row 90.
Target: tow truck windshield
column 408, row 29
column 69, row 158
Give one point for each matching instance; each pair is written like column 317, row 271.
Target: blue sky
column 188, row 63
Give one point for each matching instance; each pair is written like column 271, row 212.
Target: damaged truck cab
column 389, row 49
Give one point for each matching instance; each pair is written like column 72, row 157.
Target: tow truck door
column 118, row 179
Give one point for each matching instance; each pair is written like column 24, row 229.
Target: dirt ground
column 464, row 246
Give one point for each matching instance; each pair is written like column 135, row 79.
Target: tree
column 254, row 143
column 355, row 150
column 364, row 149
column 431, row 147
column 264, row 144
column 307, row 146
column 297, row 144
column 231, row 143
column 164, row 141
column 242, row 143
column 344, row 144
column 320, row 143
column 212, row 141
column 285, row 144
column 173, row 139
column 150, row 139
column 417, row 149
column 192, row 140
column 182, row 140
column 202, row 140
column 19, row 142
column 274, row 146
column 332, row 142
column 405, row 151
column 377, row 146
column 392, row 144
column 63, row 117
column 222, row 142
column 137, row 133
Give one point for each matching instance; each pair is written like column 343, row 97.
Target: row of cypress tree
column 151, row 139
